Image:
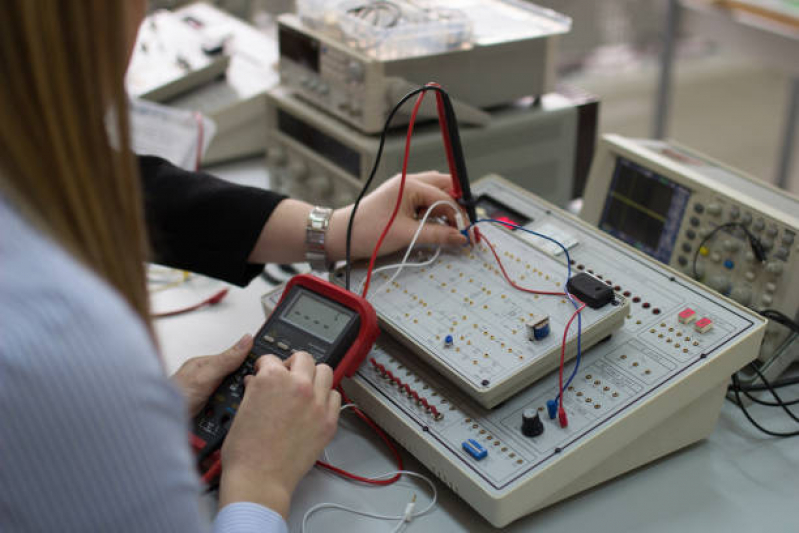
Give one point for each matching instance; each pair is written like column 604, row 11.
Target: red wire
column 399, row 194
column 213, row 300
column 513, row 283
column 200, row 134
column 561, row 411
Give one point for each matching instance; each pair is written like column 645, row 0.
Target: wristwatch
column 315, row 235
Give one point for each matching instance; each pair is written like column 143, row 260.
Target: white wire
column 401, row 518
column 402, row 264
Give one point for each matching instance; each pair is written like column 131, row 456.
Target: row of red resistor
column 409, row 392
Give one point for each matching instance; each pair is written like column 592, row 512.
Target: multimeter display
column 323, row 319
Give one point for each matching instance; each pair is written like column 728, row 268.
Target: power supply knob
column 758, row 224
column 742, row 295
column 297, row 171
column 320, row 186
column 276, row 156
column 714, row 209
column 531, row 423
column 342, row 198
column 355, row 70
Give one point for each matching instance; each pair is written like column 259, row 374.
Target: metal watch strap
column 315, row 236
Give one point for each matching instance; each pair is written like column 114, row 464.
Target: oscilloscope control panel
column 666, row 200
column 655, row 385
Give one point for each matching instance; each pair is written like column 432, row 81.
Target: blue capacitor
column 538, row 328
column 541, row 331
column 448, row 341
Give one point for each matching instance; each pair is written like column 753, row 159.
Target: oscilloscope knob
column 297, row 171
column 742, row 295
column 276, row 156
column 720, row 283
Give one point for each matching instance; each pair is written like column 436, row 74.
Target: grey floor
column 730, row 108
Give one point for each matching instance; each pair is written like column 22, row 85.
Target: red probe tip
column 562, row 418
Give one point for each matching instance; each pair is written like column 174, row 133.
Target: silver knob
column 774, row 268
column 276, row 156
column 320, row 186
column 742, row 295
column 714, row 209
column 297, row 171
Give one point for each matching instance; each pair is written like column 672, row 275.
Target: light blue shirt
column 93, row 436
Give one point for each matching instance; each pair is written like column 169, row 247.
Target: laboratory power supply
column 359, row 86
column 650, row 381
column 732, row 232
column 544, row 146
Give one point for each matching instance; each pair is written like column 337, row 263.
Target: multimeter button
column 282, row 345
column 268, row 338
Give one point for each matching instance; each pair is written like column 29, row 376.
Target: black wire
column 451, row 128
column 754, row 242
column 745, row 411
column 785, row 382
column 781, row 318
column 766, row 402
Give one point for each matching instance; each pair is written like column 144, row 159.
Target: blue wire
column 565, row 289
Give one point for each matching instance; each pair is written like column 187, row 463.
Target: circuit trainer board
column 463, row 295
column 655, row 386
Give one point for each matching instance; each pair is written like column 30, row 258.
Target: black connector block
column 591, row 291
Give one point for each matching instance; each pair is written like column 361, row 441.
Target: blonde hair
column 62, row 66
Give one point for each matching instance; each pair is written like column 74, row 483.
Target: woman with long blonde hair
column 94, row 435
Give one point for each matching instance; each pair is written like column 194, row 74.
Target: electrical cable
column 432, row 259
column 380, row 433
column 458, row 172
column 757, row 247
column 780, row 318
column 401, row 191
column 402, row 264
column 745, row 411
column 779, row 384
column 200, row 139
column 403, row 519
column 578, row 308
column 212, row 300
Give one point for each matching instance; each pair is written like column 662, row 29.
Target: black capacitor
column 531, row 423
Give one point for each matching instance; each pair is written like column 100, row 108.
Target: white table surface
column 737, row 480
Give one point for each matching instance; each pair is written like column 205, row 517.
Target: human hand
column 199, row 377
column 288, row 415
column 421, row 191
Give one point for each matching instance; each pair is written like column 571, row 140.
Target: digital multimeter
column 335, row 326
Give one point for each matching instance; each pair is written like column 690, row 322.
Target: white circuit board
column 464, row 294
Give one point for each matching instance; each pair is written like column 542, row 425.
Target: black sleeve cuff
column 201, row 223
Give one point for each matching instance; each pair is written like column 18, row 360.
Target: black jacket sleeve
column 201, row 223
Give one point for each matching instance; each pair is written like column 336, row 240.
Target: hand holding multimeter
column 334, row 326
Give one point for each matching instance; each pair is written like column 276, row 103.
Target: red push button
column 687, row 315
column 703, row 325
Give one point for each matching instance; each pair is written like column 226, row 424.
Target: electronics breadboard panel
column 666, row 200
column 464, row 318
column 654, row 386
